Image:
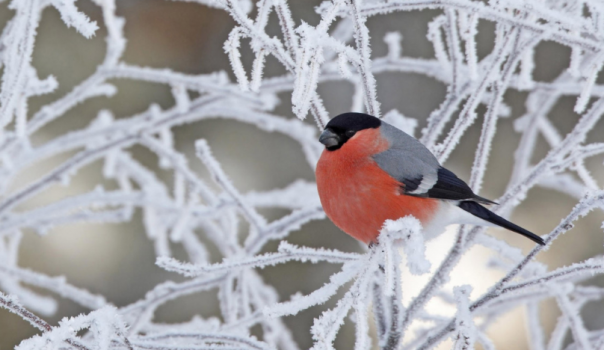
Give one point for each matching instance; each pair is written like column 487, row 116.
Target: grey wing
column 408, row 161
column 411, row 163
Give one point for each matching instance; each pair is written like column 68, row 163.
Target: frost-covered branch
column 217, row 236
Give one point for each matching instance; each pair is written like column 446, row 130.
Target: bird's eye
column 350, row 133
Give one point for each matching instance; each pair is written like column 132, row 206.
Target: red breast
column 357, row 195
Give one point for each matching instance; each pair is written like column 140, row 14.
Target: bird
column 371, row 171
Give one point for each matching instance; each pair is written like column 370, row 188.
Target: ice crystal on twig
column 368, row 286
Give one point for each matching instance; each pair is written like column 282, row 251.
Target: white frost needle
column 216, row 235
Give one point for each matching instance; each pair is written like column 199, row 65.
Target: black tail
column 487, row 215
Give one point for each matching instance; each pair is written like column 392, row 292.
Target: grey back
column 407, row 158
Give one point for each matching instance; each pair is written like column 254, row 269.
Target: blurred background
column 118, row 261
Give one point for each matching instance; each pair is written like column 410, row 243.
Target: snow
column 192, row 213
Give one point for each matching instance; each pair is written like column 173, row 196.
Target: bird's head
column 345, row 126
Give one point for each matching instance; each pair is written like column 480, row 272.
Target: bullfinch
column 370, row 171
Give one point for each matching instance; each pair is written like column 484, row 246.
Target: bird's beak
column 329, row 138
